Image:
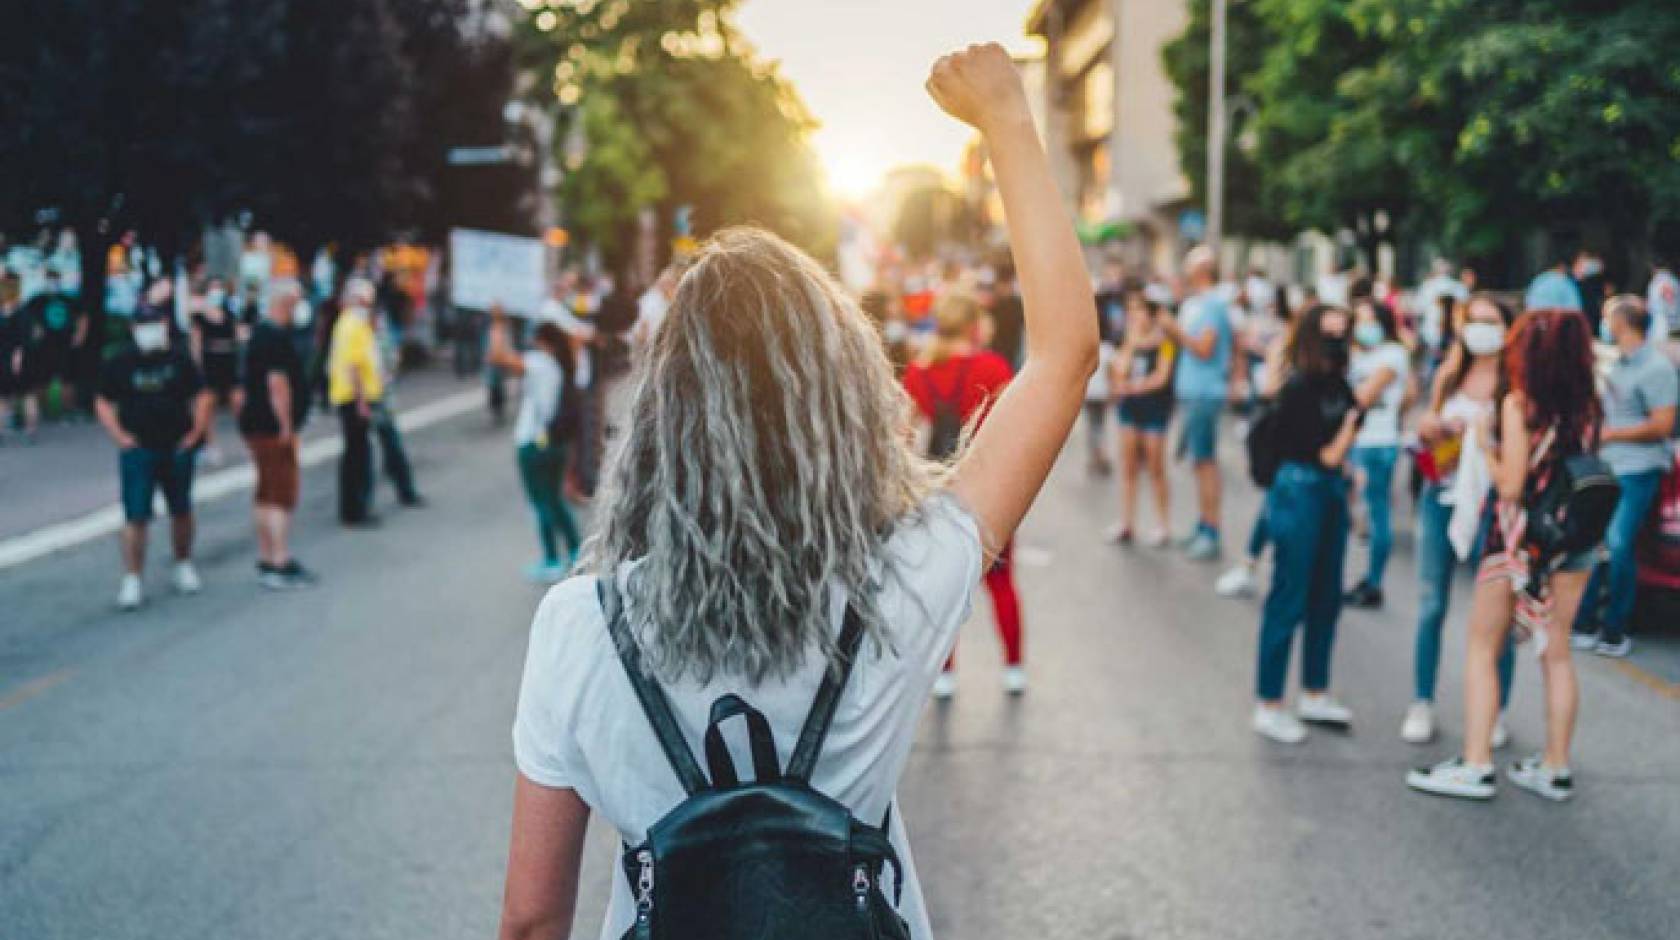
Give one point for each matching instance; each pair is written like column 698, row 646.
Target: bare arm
column 280, row 399
column 1333, row 453
column 1508, row 464
column 203, row 411
column 544, row 855
column 501, row 353
column 1655, row 428
column 1202, row 345
column 107, row 414
column 1013, row 451
column 1373, row 387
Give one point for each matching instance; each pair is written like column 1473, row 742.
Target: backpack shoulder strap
column 654, row 705
column 811, row 737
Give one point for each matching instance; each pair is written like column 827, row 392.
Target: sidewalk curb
column 99, row 523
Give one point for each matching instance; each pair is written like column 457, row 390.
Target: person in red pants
column 953, row 385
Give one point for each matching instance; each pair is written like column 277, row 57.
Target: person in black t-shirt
column 15, row 339
column 59, row 329
column 1008, row 318
column 153, row 403
column 275, row 404
column 1307, row 521
column 215, row 345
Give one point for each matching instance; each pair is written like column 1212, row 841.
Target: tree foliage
column 1469, row 123
column 676, row 110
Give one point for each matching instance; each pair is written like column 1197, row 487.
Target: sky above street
column 860, row 65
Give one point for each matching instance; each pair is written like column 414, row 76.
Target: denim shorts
column 1199, row 434
column 1143, row 425
column 145, row 471
column 1583, row 561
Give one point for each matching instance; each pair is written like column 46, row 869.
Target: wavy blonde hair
column 766, row 462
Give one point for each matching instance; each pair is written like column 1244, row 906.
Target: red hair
column 1549, row 358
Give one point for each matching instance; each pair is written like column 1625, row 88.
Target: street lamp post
column 1217, row 118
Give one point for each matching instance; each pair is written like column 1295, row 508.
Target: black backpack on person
column 1573, row 512
column 769, row 858
column 1264, row 456
column 946, row 433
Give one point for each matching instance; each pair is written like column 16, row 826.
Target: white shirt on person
column 579, row 726
column 1382, row 419
column 650, row 311
column 560, row 313
column 539, row 397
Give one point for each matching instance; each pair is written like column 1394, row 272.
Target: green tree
column 676, row 110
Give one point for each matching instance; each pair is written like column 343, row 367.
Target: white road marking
column 106, row 521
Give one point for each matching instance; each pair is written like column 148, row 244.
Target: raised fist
column 979, row 86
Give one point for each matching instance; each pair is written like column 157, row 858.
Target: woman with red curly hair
column 1549, row 413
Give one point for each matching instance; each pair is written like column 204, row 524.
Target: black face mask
column 1337, row 348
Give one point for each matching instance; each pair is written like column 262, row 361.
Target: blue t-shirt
column 1638, row 385
column 1210, row 377
column 1553, row 289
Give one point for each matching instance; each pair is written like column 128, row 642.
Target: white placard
column 490, row 267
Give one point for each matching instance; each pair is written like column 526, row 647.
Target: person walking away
column 1548, row 414
column 1662, row 300
column 735, row 536
column 539, row 437
column 1465, row 393
column 1008, row 318
column 1640, row 395
column 15, row 341
column 1142, row 377
column 1202, row 336
column 1380, row 374
column 61, row 329
column 273, row 409
column 954, row 384
column 1307, row 523
column 153, row 403
column 1553, row 288
column 353, row 385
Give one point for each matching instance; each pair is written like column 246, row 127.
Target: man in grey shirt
column 1640, row 395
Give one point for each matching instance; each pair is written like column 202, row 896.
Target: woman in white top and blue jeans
column 766, row 483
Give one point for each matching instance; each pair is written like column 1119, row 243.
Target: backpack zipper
column 644, row 888
column 860, row 887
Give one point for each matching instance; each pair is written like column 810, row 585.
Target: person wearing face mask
column 1469, row 382
column 1640, row 395
column 153, row 403
column 1316, row 421
column 1588, row 271
column 1380, row 373
column 356, row 388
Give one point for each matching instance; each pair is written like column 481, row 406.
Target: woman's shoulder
column 568, row 620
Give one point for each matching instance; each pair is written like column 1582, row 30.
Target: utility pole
column 1216, row 131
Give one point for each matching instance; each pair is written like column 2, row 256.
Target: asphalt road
column 335, row 763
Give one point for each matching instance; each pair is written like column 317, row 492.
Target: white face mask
column 1484, row 339
column 151, row 337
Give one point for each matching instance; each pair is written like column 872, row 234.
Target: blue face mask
column 1368, row 334
column 1604, row 332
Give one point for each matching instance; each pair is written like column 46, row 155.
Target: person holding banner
column 547, row 406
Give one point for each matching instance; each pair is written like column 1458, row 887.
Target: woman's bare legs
column 1130, row 466
column 1490, row 618
column 1155, row 458
column 1557, row 667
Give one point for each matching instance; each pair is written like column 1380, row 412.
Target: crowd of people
column 264, row 343
column 1349, row 393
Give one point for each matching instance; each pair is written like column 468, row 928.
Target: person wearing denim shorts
column 153, row 403
column 1203, row 335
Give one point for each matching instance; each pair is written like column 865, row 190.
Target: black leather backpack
column 770, row 858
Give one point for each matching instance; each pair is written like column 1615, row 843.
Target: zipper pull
column 860, row 887
column 644, row 888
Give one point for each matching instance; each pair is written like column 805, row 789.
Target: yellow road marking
column 32, row 688
column 1655, row 683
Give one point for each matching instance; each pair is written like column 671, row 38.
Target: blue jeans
column 1257, row 535
column 1199, row 435
column 1377, row 463
column 1307, row 521
column 1436, row 563
column 1619, row 575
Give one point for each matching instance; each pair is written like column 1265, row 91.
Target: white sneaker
column 1014, row 680
column 1618, row 649
column 1159, row 538
column 1453, row 777
column 945, row 686
column 1323, row 709
column 1419, row 726
column 1237, row 582
column 1583, row 641
column 1501, row 733
column 186, row 578
column 130, row 595
column 1279, row 725
column 1532, row 774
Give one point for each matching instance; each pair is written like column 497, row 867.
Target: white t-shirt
column 539, row 396
column 1382, row 419
column 651, row 310
column 579, row 726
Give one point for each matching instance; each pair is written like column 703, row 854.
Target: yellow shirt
column 354, row 356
